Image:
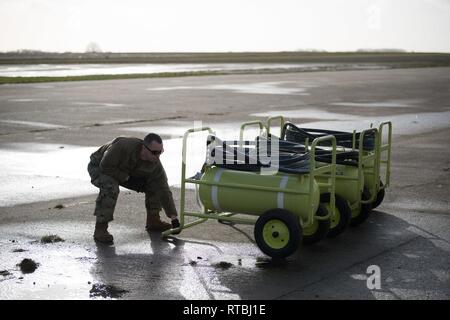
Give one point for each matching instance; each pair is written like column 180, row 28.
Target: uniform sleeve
column 110, row 163
column 165, row 195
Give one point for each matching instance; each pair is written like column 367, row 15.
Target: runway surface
column 47, row 132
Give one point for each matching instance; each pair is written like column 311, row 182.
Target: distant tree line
column 391, row 56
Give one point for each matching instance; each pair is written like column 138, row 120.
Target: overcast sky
column 224, row 25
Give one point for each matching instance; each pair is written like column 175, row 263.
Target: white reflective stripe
column 280, row 196
column 215, row 189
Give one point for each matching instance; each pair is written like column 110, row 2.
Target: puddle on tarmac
column 32, row 172
column 251, row 88
column 33, row 124
column 27, row 100
column 99, row 104
column 72, row 271
column 42, row 271
column 307, row 114
column 406, row 124
column 41, row 70
column 379, row 104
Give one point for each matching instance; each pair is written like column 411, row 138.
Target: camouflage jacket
column 120, row 159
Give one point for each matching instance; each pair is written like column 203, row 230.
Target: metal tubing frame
column 331, row 180
column 361, row 157
column 364, row 158
column 262, row 126
column 269, row 122
column 385, row 148
column 317, row 172
column 183, row 186
column 228, row 216
column 380, row 148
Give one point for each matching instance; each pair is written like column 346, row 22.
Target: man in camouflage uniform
column 134, row 164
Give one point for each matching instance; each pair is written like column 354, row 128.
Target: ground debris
column 5, row 273
column 223, row 265
column 19, row 250
column 51, row 239
column 106, row 291
column 193, row 263
column 264, row 262
column 59, row 206
column 28, row 265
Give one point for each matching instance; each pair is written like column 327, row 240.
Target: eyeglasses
column 154, row 152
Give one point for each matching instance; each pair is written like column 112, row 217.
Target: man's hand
column 175, row 224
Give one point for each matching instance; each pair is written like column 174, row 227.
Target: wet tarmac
column 47, row 133
column 65, row 70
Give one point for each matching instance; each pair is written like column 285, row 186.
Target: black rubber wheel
column 278, row 233
column 366, row 208
column 340, row 222
column 380, row 197
column 320, row 227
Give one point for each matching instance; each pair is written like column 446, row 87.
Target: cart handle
column 269, row 122
column 376, row 165
column 332, row 181
column 183, row 180
column 245, row 124
column 386, row 147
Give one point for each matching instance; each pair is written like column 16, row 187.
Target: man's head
column 152, row 147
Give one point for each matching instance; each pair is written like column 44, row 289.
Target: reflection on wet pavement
column 64, row 70
column 60, row 274
column 379, row 104
column 32, row 124
column 307, row 113
column 98, row 104
column 147, row 268
column 405, row 124
column 254, row 88
column 33, row 172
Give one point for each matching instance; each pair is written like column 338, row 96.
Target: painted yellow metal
column 334, row 219
column 312, row 229
column 283, row 191
column 347, row 185
column 276, row 234
column 228, row 192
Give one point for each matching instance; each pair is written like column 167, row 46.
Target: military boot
column 101, row 233
column 154, row 223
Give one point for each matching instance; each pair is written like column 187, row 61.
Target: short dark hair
column 152, row 137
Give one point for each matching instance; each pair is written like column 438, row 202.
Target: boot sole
column 103, row 240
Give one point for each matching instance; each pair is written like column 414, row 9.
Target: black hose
column 290, row 132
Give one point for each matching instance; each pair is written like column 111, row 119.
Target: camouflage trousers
column 109, row 192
